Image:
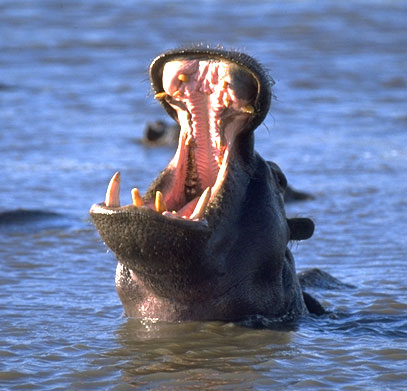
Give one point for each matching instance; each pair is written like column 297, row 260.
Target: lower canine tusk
column 113, row 191
column 200, row 207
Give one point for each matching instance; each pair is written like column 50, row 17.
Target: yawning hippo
column 208, row 241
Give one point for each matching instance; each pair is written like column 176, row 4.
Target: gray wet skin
column 232, row 262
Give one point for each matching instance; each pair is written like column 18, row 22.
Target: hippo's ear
column 300, row 228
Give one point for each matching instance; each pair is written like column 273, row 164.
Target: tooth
column 113, row 191
column 226, row 101
column 249, row 109
column 217, row 143
column 219, row 160
column 136, row 197
column 188, row 140
column 159, row 204
column 160, row 95
column 183, row 77
column 199, row 210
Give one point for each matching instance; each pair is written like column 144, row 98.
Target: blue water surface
column 74, row 99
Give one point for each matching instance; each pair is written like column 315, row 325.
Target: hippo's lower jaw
column 209, row 238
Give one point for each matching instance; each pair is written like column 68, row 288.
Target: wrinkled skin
column 230, row 259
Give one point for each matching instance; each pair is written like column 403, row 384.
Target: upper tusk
column 249, row 109
column 183, row 77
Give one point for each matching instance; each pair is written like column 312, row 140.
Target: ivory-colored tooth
column 217, row 143
column 188, row 140
column 113, row 191
column 160, row 95
column 136, row 197
column 249, row 109
column 219, row 160
column 159, row 204
column 200, row 207
column 227, row 102
column 183, row 77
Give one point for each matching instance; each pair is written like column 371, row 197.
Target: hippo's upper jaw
column 209, row 238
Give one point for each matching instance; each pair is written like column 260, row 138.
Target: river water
column 74, row 99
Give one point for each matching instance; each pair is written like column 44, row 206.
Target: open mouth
column 214, row 98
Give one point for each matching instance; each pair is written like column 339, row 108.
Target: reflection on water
column 208, row 354
column 74, row 95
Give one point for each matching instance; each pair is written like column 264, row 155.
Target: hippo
column 32, row 220
column 209, row 240
column 160, row 133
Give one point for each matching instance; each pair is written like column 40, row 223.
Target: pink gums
column 200, row 92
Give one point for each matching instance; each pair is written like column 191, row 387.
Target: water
column 74, row 97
